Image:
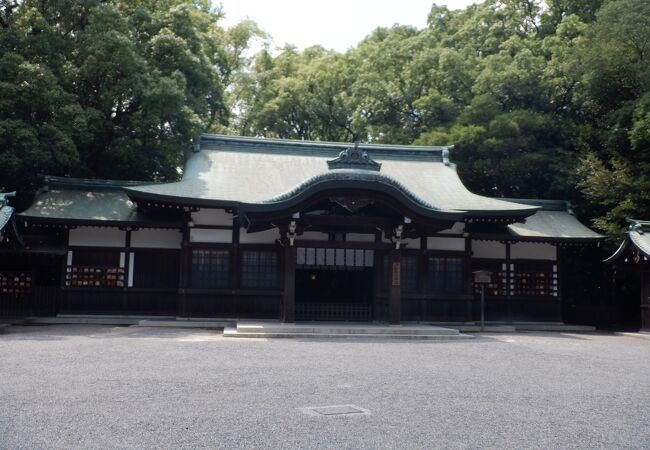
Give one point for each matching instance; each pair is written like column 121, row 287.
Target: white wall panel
column 458, row 228
column 533, row 250
column 262, row 237
column 209, row 216
column 358, row 237
column 97, row 237
column 214, row 236
column 488, row 249
column 154, row 238
column 312, row 236
column 413, row 244
column 444, row 243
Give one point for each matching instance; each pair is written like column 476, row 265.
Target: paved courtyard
column 126, row 387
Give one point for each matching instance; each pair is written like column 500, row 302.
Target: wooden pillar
column 559, row 276
column 184, row 268
column 289, row 298
column 127, row 270
column 235, row 263
column 423, row 266
column 378, row 312
column 509, row 282
column 395, row 293
column 469, row 278
column 644, row 276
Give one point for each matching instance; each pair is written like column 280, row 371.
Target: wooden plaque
column 396, row 273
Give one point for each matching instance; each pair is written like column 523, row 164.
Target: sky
column 334, row 24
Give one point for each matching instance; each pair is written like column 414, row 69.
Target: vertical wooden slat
column 395, row 294
column 289, row 297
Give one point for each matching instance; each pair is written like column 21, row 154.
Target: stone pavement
column 87, row 386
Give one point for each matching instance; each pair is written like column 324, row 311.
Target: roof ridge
column 72, row 183
column 545, row 204
column 441, row 152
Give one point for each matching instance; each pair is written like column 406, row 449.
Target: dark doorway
column 323, row 294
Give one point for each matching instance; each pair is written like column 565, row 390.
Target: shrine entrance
column 334, row 284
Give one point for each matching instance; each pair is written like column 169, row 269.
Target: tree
column 111, row 89
column 615, row 99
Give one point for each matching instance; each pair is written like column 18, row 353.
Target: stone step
column 559, row 327
column 232, row 332
column 344, row 329
column 487, row 329
column 79, row 320
column 185, row 323
column 4, row 327
column 115, row 316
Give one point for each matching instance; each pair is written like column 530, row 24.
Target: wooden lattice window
column 409, row 274
column 210, row 269
column 445, row 275
column 260, row 269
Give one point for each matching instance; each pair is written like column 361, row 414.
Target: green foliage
column 111, row 89
column 538, row 102
column 548, row 102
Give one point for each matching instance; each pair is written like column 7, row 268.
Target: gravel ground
column 127, row 387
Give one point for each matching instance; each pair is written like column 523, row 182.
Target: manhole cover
column 335, row 410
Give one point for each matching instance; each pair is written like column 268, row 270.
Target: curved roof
column 554, row 221
column 638, row 236
column 103, row 202
column 6, row 211
column 257, row 173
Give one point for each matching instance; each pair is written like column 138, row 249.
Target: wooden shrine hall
column 290, row 230
column 633, row 253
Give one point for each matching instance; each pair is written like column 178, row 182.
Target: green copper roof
column 637, row 237
column 6, row 211
column 553, row 221
column 73, row 200
column 257, row 173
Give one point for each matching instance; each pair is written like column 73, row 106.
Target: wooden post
column 395, row 294
column 289, row 298
column 644, row 276
column 377, row 272
column 510, row 281
column 469, row 278
column 184, row 267
column 126, row 269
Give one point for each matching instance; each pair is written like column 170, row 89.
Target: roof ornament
column 4, row 198
column 354, row 158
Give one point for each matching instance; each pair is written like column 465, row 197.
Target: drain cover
column 336, row 410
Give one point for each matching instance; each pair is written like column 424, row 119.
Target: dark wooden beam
column 289, row 297
column 395, row 291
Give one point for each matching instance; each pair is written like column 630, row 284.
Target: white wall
column 97, row 237
column 209, row 216
column 458, row 228
column 488, row 249
column 312, row 236
column 533, row 250
column 261, row 237
column 206, row 235
column 154, row 238
column 358, row 237
column 443, row 243
column 413, row 244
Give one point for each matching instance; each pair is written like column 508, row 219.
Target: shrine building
column 633, row 254
column 289, row 230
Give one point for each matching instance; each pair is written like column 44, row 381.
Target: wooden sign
column 396, row 273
